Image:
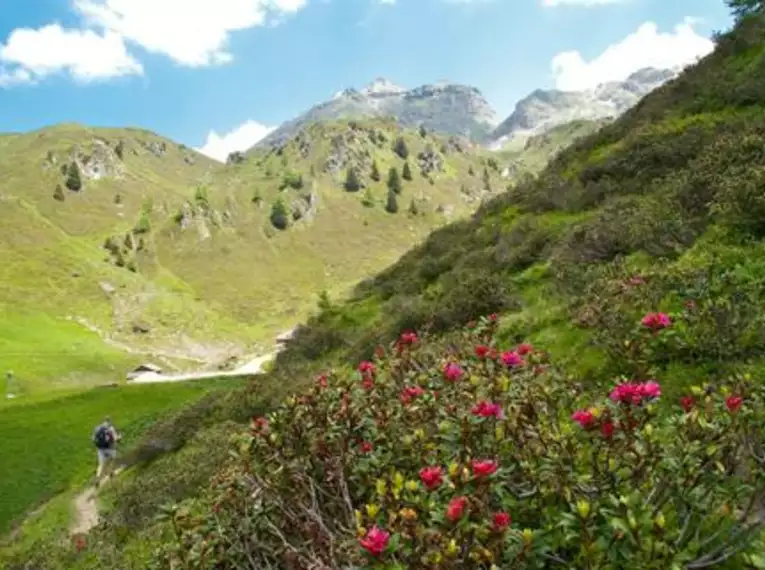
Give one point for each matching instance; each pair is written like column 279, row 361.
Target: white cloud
column 191, row 32
column 241, row 138
column 555, row 3
column 30, row 54
column 646, row 47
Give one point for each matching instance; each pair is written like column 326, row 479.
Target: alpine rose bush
column 460, row 453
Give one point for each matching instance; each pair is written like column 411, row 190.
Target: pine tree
column 486, row 180
column 391, row 205
column 73, row 178
column 280, row 216
column 368, row 200
column 375, row 172
column 58, row 193
column 406, row 172
column 352, row 182
column 394, row 181
column 413, row 209
column 400, row 148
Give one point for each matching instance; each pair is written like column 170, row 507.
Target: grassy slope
column 671, row 191
column 46, row 445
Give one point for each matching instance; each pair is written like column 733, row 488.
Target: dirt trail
column 86, row 510
column 86, row 507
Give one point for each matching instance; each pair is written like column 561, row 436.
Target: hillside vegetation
column 109, row 237
column 611, row 416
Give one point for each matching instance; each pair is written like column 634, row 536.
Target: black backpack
column 103, row 438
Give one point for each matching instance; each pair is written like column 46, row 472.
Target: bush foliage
column 464, row 453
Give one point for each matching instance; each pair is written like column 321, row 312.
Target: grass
column 46, row 445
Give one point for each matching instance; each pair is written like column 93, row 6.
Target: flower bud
column 528, row 536
column 659, row 520
column 411, row 485
column 454, row 469
column 373, row 510
column 583, row 508
column 452, row 548
column 419, row 433
column 381, row 487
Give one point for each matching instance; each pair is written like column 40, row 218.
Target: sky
column 218, row 75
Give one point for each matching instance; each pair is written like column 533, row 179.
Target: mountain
column 445, row 108
column 109, row 237
column 544, row 109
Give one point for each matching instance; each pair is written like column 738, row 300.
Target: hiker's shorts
column 105, row 455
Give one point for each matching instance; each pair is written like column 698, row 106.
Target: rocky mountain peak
column 382, row 86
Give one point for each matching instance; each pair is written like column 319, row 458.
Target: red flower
column 367, row 368
column 525, row 349
column 376, row 541
column 481, row 351
column 452, row 371
column 511, row 359
column 484, row 467
column 322, row 381
column 656, row 321
column 500, row 521
column 687, row 402
column 368, row 384
column 408, row 337
column 431, row 477
column 486, row 409
column 456, row 508
column 365, row 447
column 635, row 392
column 584, row 418
column 259, row 425
column 607, row 429
column 733, row 403
column 493, row 317
column 410, row 393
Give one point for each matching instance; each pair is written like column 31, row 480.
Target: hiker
column 105, row 438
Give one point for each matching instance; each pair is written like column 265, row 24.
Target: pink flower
column 408, row 337
column 368, row 384
column 635, row 392
column 367, row 369
column 431, row 477
column 500, row 521
column 656, row 321
column 259, row 425
column 687, row 402
column 733, row 403
column 486, row 409
column 607, row 429
column 410, row 393
column 452, row 372
column 493, row 317
column 484, row 467
column 376, row 541
column 584, row 418
column 456, row 508
column 511, row 359
column 525, row 349
column 482, row 351
column 365, row 447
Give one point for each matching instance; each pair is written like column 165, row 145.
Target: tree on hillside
column 280, row 216
column 73, row 177
column 375, row 172
column 391, row 206
column 423, row 131
column 486, row 180
column 400, row 148
column 406, row 172
column 352, row 182
column 394, row 181
column 741, row 8
column 471, row 172
column 58, row 193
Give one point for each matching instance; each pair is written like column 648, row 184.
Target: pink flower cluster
column 635, row 392
column 656, row 321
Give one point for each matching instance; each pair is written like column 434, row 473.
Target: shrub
column 400, row 148
column 280, row 215
column 73, row 177
column 58, row 193
column 467, row 454
column 391, row 205
column 394, row 181
column 292, row 180
column 406, row 172
column 352, row 182
column 375, row 175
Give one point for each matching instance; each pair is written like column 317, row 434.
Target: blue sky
column 184, row 68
